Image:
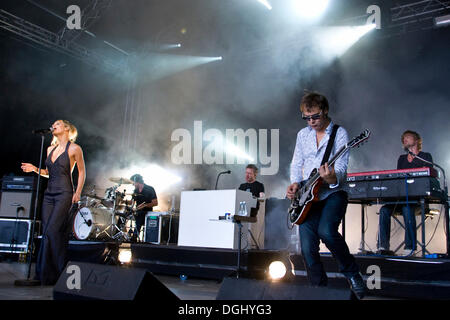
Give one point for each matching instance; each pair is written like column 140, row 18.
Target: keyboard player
column 411, row 141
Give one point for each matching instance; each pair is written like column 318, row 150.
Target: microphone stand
column 31, row 282
column 446, row 205
column 217, row 180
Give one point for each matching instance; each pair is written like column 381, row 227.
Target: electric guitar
column 309, row 189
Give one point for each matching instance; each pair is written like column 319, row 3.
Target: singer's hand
column 28, row 167
column 75, row 198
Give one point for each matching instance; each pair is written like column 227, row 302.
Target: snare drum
column 91, row 223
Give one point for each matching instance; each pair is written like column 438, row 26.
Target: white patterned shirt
column 307, row 156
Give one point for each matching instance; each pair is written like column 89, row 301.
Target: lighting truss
column 417, row 15
column 41, row 36
column 407, row 17
column 89, row 16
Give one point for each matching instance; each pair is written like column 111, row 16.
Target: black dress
column 57, row 202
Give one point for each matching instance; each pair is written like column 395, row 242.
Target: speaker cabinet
column 251, row 289
column 88, row 281
column 18, row 204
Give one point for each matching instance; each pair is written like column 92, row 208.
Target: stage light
column 125, row 256
column 159, row 177
column 235, row 151
column 283, row 268
column 155, row 66
column 154, row 175
column 169, row 46
column 310, row 9
column 277, row 270
column 335, row 41
column 442, row 21
column 266, row 4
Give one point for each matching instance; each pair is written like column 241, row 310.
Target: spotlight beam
column 266, row 4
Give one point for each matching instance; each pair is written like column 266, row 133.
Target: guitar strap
column 330, row 144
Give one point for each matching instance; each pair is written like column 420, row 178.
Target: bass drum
column 92, row 223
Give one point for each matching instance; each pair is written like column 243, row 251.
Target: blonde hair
column 73, row 132
column 416, row 137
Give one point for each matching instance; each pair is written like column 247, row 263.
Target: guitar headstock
column 358, row 140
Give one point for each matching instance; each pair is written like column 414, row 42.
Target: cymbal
column 120, row 180
column 94, row 196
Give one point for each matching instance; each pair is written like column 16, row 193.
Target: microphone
column 43, row 131
column 409, row 152
column 217, row 180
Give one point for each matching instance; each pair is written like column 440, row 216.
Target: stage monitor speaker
column 89, row 281
column 17, row 204
column 252, row 289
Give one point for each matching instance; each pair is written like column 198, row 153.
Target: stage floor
column 205, row 268
column 189, row 289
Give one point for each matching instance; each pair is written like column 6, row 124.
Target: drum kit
column 110, row 217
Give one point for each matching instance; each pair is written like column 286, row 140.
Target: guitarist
column 145, row 198
column 325, row 215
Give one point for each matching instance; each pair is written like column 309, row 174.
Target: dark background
column 386, row 82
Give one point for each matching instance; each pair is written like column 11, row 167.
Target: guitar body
column 302, row 203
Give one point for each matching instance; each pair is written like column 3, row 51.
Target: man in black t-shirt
column 253, row 186
column 145, row 198
column 411, row 141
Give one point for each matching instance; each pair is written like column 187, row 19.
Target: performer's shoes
column 383, row 252
column 357, row 286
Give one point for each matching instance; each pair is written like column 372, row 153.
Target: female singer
column 59, row 196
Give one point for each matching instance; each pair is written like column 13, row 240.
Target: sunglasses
column 312, row 117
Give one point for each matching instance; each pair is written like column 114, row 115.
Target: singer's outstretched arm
column 28, row 167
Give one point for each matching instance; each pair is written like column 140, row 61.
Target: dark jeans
column 322, row 223
column 385, row 226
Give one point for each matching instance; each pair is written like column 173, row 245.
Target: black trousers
column 140, row 221
column 52, row 257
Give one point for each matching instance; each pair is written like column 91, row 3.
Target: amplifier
column 161, row 227
column 18, row 204
column 16, row 183
column 15, row 235
column 394, row 188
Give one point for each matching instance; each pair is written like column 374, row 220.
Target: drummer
column 145, row 198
